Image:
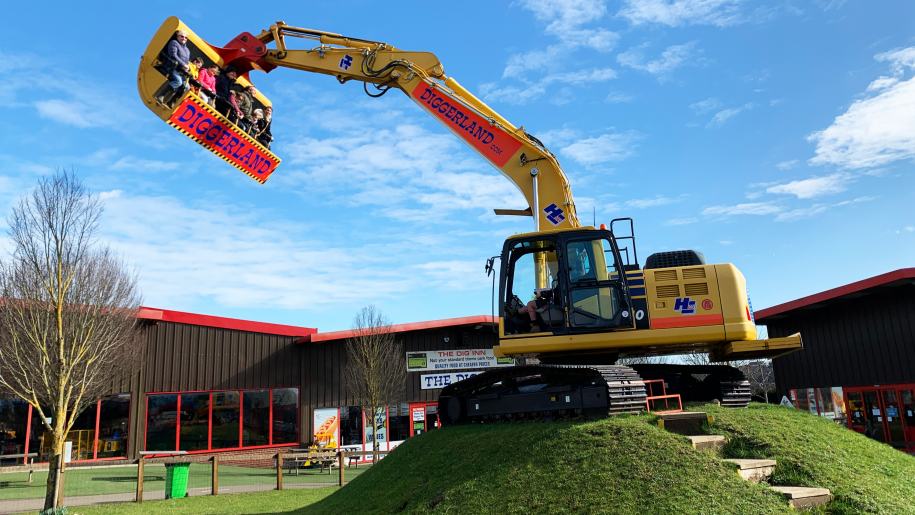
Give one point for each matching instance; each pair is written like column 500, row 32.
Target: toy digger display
column 572, row 299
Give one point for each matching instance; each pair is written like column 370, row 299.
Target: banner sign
column 326, row 428
column 495, row 144
column 458, row 359
column 200, row 122
column 433, row 381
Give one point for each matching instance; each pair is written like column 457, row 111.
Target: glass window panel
column 195, row 417
column 225, row 420
column 40, row 437
column 285, row 415
column 13, row 421
column 399, row 422
column 113, row 426
column 824, row 401
column 255, row 417
column 351, row 425
column 161, row 422
column 532, row 300
column 82, row 434
column 838, row 400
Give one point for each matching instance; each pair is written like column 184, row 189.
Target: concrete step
column 685, row 422
column 804, row 497
column 712, row 443
column 753, row 470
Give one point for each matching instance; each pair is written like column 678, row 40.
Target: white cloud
column 681, row 221
column 130, row 163
column 615, row 97
column 612, row 146
column 907, row 228
column 814, row 186
column 656, row 201
column 565, row 18
column 705, row 106
column 675, row 13
column 670, row 59
column 787, row 165
column 801, row 212
column 747, row 208
column 721, row 117
column 877, row 129
column 523, row 94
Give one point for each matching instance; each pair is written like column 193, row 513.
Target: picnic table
column 303, row 458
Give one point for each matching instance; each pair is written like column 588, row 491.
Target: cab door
column 597, row 294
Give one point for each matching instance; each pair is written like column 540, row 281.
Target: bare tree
column 761, row 376
column 376, row 371
column 68, row 312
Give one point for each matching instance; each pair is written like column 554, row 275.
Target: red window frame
column 98, row 414
column 909, row 444
column 241, row 414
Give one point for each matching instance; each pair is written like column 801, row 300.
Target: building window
column 226, row 414
column 255, row 418
column 195, row 421
column 113, row 426
column 202, row 421
column 161, row 422
column 14, row 415
column 399, row 422
column 351, row 425
column 285, row 412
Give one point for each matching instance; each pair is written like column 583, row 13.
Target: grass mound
column 865, row 476
column 616, row 465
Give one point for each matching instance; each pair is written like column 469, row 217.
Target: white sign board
column 433, row 381
column 786, row 403
column 457, row 359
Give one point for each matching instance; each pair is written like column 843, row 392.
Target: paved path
column 34, row 505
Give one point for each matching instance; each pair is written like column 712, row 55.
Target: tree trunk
column 53, row 493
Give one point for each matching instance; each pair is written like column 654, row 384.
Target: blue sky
column 774, row 135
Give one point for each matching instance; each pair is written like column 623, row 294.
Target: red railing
column 663, row 396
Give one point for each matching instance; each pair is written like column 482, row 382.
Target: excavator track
column 536, row 392
column 702, row 383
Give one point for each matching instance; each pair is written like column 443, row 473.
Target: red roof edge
column 181, row 317
column 841, row 291
column 400, row 328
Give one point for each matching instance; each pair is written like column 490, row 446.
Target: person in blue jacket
column 175, row 60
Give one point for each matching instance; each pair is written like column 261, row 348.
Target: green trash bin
column 176, row 480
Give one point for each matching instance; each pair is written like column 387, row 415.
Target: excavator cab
column 563, row 282
column 191, row 110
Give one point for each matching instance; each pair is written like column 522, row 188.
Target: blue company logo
column 554, row 214
column 685, row 306
column 346, row 62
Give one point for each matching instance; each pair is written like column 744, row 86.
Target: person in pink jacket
column 207, row 79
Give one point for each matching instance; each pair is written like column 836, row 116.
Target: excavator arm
column 520, row 157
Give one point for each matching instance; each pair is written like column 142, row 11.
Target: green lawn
column 287, row 501
column 93, row 481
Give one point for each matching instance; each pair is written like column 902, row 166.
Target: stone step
column 804, row 497
column 753, row 470
column 712, row 443
column 685, row 422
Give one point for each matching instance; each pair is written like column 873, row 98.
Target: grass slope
column 617, row 465
column 864, row 475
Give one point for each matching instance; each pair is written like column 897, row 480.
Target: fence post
column 342, row 458
column 214, row 482
column 140, row 479
column 31, row 468
column 279, row 470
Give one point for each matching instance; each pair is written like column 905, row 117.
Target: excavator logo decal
column 346, row 62
column 554, row 214
column 685, row 306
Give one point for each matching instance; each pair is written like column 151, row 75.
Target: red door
column 857, row 415
column 907, row 405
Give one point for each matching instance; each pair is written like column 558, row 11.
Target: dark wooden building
column 209, row 384
column 858, row 361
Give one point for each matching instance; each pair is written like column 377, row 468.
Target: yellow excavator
column 589, row 300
